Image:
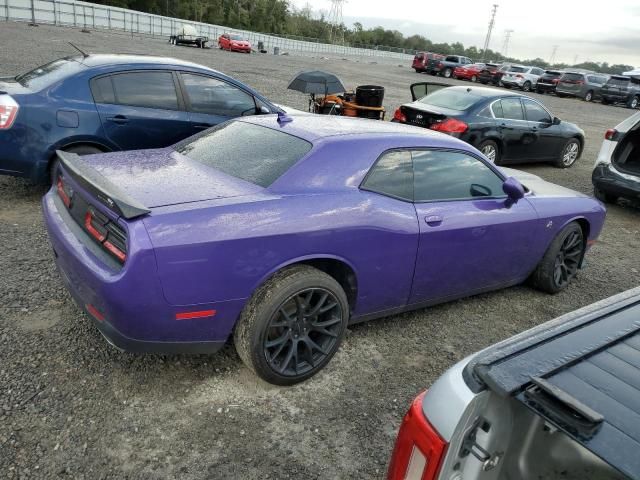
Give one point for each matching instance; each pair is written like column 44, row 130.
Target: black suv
column 621, row 89
column 547, row 82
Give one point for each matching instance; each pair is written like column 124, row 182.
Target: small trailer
column 188, row 35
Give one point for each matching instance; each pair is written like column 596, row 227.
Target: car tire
column 508, row 87
column 490, row 149
column 539, row 91
column 604, row 197
column 483, row 83
column 633, row 102
column 570, row 154
column 560, row 95
column 588, row 97
column 79, row 150
column 448, row 73
column 275, row 310
column 561, row 261
column 605, row 101
column 526, row 86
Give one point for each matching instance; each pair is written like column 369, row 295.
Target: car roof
column 486, row 91
column 102, row 60
column 318, row 127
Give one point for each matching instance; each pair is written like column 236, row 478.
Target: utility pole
column 505, row 45
column 491, row 23
column 553, row 54
column 575, row 60
column 335, row 20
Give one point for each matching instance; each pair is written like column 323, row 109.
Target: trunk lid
column 581, row 373
column 162, row 177
column 422, row 115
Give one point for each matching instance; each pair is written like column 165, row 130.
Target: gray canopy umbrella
column 316, row 82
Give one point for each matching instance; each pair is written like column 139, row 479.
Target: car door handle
column 505, row 126
column 119, row 119
column 202, row 126
column 433, row 220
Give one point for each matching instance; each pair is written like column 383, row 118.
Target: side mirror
column 514, row 190
column 556, row 121
column 264, row 109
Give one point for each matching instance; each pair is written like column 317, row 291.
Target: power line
column 491, row 23
column 505, row 45
column 553, row 54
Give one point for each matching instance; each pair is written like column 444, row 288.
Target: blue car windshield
column 48, row 74
column 253, row 153
column 453, row 99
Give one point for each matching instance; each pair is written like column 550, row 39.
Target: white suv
column 525, row 78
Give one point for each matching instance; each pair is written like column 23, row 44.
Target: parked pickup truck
column 446, row 66
column 188, row 35
column 559, row 401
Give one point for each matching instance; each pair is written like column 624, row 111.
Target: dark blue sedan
column 101, row 103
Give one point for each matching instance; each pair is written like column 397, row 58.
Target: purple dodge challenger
column 279, row 231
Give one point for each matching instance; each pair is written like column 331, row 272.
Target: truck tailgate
column 581, row 372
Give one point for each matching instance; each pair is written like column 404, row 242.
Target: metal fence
column 93, row 16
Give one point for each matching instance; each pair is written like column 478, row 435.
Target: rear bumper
column 545, row 87
column 606, row 178
column 128, row 305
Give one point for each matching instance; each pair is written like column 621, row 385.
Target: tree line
column 280, row 18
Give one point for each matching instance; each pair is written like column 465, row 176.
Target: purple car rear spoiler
column 107, row 193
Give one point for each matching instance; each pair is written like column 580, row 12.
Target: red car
column 426, row 62
column 468, row 72
column 234, row 43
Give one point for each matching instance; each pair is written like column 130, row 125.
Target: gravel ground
column 72, row 407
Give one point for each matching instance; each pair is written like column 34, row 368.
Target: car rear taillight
column 611, row 134
column 8, row 111
column 399, row 116
column 419, row 449
column 519, row 76
column 107, row 233
column 555, row 80
column 63, row 192
column 439, row 64
column 450, row 125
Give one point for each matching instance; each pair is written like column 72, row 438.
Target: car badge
column 418, row 117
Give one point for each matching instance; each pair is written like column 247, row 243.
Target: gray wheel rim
column 634, row 103
column 570, row 153
column 588, row 97
column 447, row 73
column 489, row 151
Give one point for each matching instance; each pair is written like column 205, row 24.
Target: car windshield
column 253, row 153
column 449, row 98
column 236, row 37
column 518, row 69
column 48, row 74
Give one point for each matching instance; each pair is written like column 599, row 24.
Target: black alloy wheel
column 292, row 325
column 561, row 261
column 567, row 261
column 303, row 332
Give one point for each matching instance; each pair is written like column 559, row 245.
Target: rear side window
column 137, row 89
column 512, row 109
column 445, row 175
column 392, row 175
column 496, row 108
column 518, row 69
column 253, row 153
column 451, row 59
column 620, row 82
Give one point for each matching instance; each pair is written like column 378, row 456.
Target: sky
column 599, row 31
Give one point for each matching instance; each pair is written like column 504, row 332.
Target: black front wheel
column 570, row 153
column 561, row 262
column 293, row 325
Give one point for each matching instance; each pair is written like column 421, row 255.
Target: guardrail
column 92, row 16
